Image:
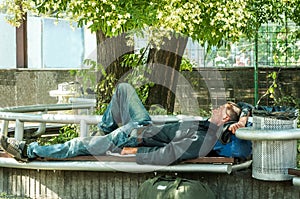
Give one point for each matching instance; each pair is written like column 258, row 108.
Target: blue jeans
column 125, row 108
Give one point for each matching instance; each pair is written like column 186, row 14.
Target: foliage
column 265, row 11
column 88, row 75
column 103, row 87
column 4, row 195
column 278, row 45
column 208, row 21
column 287, row 49
column 139, row 73
column 16, row 10
column 280, row 99
column 271, row 90
column 205, row 113
column 137, row 77
column 186, row 64
column 274, row 92
column 285, row 52
column 66, row 133
column 157, row 109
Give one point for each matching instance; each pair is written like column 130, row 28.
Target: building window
column 7, row 44
column 50, row 45
column 58, row 45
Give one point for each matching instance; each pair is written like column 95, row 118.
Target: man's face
column 219, row 116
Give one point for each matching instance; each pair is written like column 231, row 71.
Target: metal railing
column 23, row 114
column 38, row 114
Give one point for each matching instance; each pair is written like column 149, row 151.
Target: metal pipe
column 50, row 118
column 4, row 129
column 249, row 133
column 41, row 130
column 244, row 165
column 114, row 166
column 19, row 131
column 256, row 68
column 296, row 181
column 84, row 120
column 48, row 107
column 63, row 118
column 83, row 128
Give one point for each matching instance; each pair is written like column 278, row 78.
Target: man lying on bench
column 126, row 123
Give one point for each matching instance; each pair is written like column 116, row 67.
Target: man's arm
column 129, row 150
column 246, row 110
column 241, row 123
column 173, row 152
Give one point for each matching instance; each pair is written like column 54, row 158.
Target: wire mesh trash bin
column 273, row 158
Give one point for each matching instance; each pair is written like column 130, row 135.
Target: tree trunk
column 165, row 64
column 110, row 52
column 109, row 55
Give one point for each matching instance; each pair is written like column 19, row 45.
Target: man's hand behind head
column 241, row 123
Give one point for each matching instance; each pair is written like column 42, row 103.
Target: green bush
column 66, row 133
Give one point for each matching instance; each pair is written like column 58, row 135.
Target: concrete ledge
column 250, row 133
column 112, row 166
column 57, row 184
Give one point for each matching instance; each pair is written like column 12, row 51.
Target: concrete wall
column 50, row 184
column 26, row 87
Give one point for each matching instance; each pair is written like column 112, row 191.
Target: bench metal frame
column 39, row 114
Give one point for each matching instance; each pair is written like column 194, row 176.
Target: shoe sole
column 12, row 148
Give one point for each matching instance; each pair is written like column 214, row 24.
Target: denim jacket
column 171, row 143
column 175, row 142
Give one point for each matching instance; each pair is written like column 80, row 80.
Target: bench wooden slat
column 295, row 172
column 93, row 158
column 210, row 160
column 4, row 155
column 133, row 159
column 129, row 159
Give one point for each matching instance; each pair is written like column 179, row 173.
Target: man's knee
column 124, row 87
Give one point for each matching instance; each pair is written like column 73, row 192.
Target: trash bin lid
column 276, row 112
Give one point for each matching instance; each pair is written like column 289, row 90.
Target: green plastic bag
column 166, row 187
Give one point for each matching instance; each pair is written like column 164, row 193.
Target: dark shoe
column 13, row 147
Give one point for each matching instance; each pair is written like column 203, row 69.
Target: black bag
column 166, row 187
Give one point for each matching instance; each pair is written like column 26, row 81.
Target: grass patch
column 5, row 195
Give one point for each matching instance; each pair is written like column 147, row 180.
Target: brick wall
column 214, row 86
column 197, row 89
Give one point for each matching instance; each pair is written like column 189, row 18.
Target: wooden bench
column 295, row 172
column 211, row 160
column 108, row 158
column 21, row 115
column 126, row 164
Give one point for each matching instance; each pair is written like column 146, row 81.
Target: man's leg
column 72, row 148
column 125, row 107
column 94, row 145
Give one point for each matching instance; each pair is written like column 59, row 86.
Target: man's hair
column 233, row 111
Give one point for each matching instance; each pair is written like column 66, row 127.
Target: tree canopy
column 208, row 21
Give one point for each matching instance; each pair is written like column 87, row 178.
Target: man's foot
column 13, row 147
